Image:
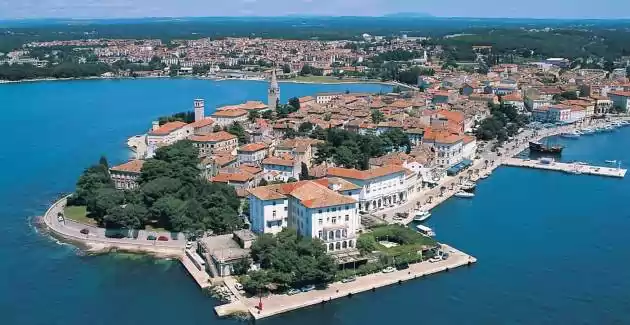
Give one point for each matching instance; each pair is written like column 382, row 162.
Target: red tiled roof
column 213, row 137
column 167, row 128
column 132, row 166
column 364, row 174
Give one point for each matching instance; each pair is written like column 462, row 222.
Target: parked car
column 189, row 245
column 435, row 259
column 115, row 235
column 308, row 288
column 238, row 286
column 162, row 238
column 349, row 279
column 151, row 237
column 389, row 269
column 292, row 292
column 85, row 231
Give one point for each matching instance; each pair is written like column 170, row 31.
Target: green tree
column 295, row 103
column 238, row 130
column 267, row 115
column 377, row 116
column 304, row 172
column 253, row 115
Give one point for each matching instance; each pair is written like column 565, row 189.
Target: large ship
column 545, row 148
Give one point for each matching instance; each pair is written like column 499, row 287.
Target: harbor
column 570, row 168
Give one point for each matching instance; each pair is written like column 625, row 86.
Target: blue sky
column 187, row 8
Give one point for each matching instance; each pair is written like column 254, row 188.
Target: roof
column 132, row 166
column 278, row 161
column 365, row 174
column 167, row 128
column 337, row 183
column 620, row 93
column 251, row 147
column 202, row 123
column 213, row 137
column 231, row 112
column 312, row 194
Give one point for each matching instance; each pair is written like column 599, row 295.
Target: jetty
column 281, row 303
column 571, row 168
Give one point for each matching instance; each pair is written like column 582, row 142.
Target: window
column 334, row 219
column 347, row 217
column 320, row 211
column 274, row 213
column 320, row 234
column 274, row 202
column 320, row 221
column 286, row 208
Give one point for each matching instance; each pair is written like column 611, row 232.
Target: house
column 552, row 114
column 324, row 98
column 448, row 146
column 125, row 176
column 168, row 133
column 620, row 100
column 214, row 142
column 318, row 209
column 301, row 149
column 281, row 169
column 227, row 117
column 241, row 180
column 380, row 187
column 252, row 152
column 202, row 126
column 515, row 100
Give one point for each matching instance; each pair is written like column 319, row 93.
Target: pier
column 571, row 168
column 281, row 303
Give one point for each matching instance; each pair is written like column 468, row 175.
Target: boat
column 571, row 135
column 544, row 148
column 469, row 186
column 422, row 215
column 464, row 194
column 588, row 131
column 425, row 230
column 484, row 176
column 611, row 161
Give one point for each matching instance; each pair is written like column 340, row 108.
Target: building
column 448, row 147
column 226, row 117
column 620, row 100
column 214, row 142
column 168, row 133
column 252, row 152
column 273, row 93
column 324, row 98
column 281, row 168
column 321, row 209
column 125, row 176
column 379, row 187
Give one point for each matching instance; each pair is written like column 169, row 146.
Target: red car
column 163, row 238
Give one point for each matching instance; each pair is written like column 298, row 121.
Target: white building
column 382, row 186
column 228, row 116
column 281, row 169
column 448, row 147
column 324, row 98
column 324, row 209
column 252, row 152
column 168, row 133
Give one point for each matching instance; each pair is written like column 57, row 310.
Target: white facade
column 268, row 216
column 469, row 149
column 165, row 136
column 252, row 156
column 380, row 187
column 448, row 154
column 336, row 225
column 229, row 120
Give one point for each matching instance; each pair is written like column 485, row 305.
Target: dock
column 281, row 303
column 570, row 168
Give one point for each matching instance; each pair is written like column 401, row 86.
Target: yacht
column 464, row 194
column 469, row 186
column 422, row 215
column 425, row 231
column 588, row 131
column 611, row 161
column 483, row 176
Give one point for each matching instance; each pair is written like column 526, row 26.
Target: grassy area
column 408, row 241
column 329, row 79
column 79, row 214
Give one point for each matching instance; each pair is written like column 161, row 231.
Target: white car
column 436, row 258
column 189, row 245
column 238, row 286
column 389, row 269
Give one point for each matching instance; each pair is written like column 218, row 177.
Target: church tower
column 273, row 93
column 199, row 109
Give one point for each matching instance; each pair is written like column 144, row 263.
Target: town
column 331, row 176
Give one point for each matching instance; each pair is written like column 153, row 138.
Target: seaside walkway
column 571, row 168
column 277, row 304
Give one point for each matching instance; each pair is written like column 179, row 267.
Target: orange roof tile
column 251, row 147
column 231, row 112
column 167, row 128
column 213, row 137
column 132, row 166
column 364, row 174
column 202, row 123
column 278, row 161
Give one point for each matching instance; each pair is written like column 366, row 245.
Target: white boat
column 571, row 135
column 463, row 194
column 468, row 186
column 483, row 176
column 587, row 131
column 425, row 231
column 422, row 215
column 611, row 161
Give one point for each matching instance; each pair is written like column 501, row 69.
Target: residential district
column 278, row 157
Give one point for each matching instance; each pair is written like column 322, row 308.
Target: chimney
column 155, row 125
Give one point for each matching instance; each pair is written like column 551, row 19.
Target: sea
column 552, row 248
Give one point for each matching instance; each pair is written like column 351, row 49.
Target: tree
column 295, row 103
column 216, row 128
column 267, row 115
column 104, row 199
column 263, row 182
column 242, row 266
column 305, row 127
column 237, row 129
column 304, row 172
column 377, row 116
column 253, row 115
column 286, row 68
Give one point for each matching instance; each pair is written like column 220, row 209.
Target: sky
column 19, row 9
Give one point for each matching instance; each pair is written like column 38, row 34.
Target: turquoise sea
column 552, row 247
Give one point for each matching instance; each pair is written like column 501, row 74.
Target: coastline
column 373, row 82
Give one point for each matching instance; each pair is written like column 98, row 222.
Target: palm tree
column 442, row 189
column 430, row 199
column 469, row 172
column 418, row 205
column 461, row 180
column 452, row 185
column 486, row 162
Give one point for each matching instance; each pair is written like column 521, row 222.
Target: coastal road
column 96, row 236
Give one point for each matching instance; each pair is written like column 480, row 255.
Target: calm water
column 552, row 248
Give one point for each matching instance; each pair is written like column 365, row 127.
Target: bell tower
column 199, row 105
column 273, row 93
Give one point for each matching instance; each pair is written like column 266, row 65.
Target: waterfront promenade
column 96, row 241
column 572, row 168
column 282, row 303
